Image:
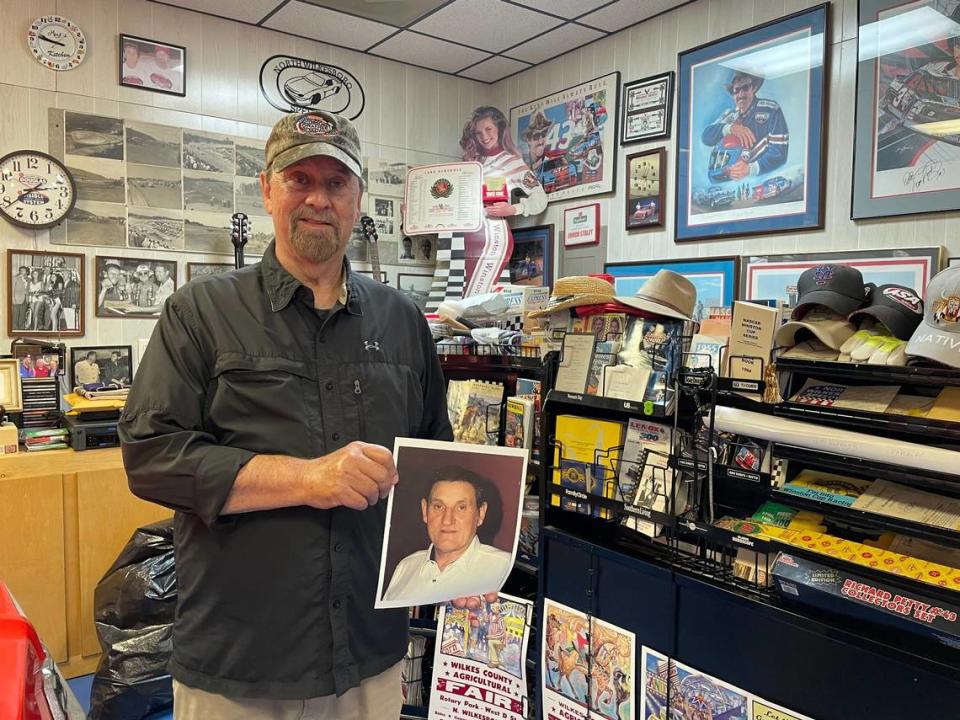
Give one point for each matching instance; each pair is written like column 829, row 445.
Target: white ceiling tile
column 400, row 14
column 298, row 18
column 430, row 52
column 493, row 69
column 488, row 24
column 555, row 42
column 563, row 8
column 625, row 13
column 249, row 11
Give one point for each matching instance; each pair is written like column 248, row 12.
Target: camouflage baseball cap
column 296, row 137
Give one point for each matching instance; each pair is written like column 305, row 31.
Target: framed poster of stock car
column 907, row 136
column 569, row 138
column 750, row 130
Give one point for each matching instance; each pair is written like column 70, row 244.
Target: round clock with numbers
column 36, row 190
column 56, row 42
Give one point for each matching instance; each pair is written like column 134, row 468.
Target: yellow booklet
column 586, row 458
column 946, row 406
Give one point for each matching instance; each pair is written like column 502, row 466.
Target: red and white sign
column 581, row 225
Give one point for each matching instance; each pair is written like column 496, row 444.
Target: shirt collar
column 281, row 286
column 463, row 560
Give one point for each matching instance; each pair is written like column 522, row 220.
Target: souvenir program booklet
column 751, row 340
column 586, row 458
column 705, row 352
column 645, row 478
column 657, row 346
column 869, row 398
column 532, row 389
column 575, row 359
column 444, row 198
column 519, row 431
column 888, row 498
column 473, row 407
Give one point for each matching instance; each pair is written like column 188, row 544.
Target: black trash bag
column 134, row 606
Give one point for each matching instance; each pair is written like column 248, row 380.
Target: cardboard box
column 9, row 439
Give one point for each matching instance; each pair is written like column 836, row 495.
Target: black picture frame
column 645, row 211
column 169, row 78
column 133, row 290
column 647, row 101
column 540, row 238
column 104, row 354
column 51, row 293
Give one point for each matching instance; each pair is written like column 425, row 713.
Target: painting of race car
column 922, row 102
column 771, row 188
column 307, row 90
column 714, row 197
column 559, row 173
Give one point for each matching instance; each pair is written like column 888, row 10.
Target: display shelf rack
column 901, row 426
column 412, row 712
column 609, row 406
column 937, row 376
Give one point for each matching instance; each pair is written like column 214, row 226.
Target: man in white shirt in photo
column 456, row 564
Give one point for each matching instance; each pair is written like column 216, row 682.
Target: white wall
column 412, row 115
column 651, row 47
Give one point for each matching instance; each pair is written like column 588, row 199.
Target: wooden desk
column 64, row 518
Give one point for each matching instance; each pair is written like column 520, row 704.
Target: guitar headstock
column 239, row 235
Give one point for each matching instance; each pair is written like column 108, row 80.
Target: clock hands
column 51, row 40
column 22, row 193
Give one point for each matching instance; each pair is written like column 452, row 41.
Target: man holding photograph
column 456, row 563
column 262, row 412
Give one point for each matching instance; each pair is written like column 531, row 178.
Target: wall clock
column 36, row 190
column 56, row 42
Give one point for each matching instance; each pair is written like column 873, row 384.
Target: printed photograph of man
column 452, row 522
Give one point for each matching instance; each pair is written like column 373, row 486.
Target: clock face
column 56, row 42
column 36, row 190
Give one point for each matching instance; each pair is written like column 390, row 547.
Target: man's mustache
column 303, row 214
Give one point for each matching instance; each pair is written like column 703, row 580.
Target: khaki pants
column 377, row 698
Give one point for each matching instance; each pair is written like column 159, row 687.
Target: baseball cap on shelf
column 938, row 336
column 830, row 328
column 838, row 287
column 296, row 137
column 898, row 307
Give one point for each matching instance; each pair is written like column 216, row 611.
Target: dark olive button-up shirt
column 276, row 604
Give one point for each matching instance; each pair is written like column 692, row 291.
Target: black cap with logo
column 838, row 287
column 896, row 306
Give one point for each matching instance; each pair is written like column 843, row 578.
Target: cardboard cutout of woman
column 486, row 139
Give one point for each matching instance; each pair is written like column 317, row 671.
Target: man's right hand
column 355, row 476
column 744, row 135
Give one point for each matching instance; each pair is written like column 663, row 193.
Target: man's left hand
column 473, row 602
column 739, row 170
column 501, row 210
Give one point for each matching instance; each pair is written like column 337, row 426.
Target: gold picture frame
column 11, row 394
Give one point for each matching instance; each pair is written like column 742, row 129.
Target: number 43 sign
column 569, row 138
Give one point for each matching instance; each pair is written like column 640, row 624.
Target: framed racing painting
column 907, row 137
column 569, row 138
column 531, row 262
column 646, row 177
column 751, row 112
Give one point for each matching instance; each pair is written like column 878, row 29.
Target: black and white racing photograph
column 155, row 229
column 133, row 287
column 93, row 136
column 151, row 186
column 151, row 144
column 207, row 232
column 96, row 223
column 45, row 293
column 208, row 152
column 97, row 180
column 248, row 198
column 208, row 192
column 250, row 158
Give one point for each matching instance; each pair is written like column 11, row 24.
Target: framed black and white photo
column 44, row 293
column 199, row 270
column 415, row 286
column 101, row 366
column 647, row 109
column 151, row 65
column 133, row 287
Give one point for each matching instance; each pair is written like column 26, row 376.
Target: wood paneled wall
column 652, row 47
column 411, row 115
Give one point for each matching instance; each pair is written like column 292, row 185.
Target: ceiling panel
column 625, row 13
column 494, row 69
column 488, row 24
column 564, row 8
column 556, row 42
column 248, row 11
column 300, row 18
column 400, row 14
column 429, row 52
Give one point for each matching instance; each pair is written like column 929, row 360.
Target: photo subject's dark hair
column 482, row 487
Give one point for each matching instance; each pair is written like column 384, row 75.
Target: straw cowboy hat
column 540, row 123
column 574, row 291
column 667, row 293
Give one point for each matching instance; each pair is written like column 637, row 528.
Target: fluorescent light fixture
column 903, row 31
column 795, row 56
column 938, row 129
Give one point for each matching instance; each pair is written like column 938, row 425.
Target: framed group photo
column 151, row 65
column 907, row 136
column 646, row 178
column 750, row 140
column 133, row 287
column 647, row 109
column 569, row 138
column 101, row 366
column 45, row 292
column 716, row 279
column 775, row 276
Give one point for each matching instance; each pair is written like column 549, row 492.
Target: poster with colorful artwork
column 569, row 138
column 480, row 661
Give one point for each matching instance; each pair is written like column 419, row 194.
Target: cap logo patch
column 314, row 124
column 823, row 274
column 947, row 309
column 905, row 298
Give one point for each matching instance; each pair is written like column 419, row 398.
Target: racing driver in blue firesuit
column 757, row 123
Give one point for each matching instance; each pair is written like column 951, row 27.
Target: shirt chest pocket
column 385, row 400
column 252, row 392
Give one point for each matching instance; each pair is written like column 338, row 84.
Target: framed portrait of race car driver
column 907, row 137
column 151, row 65
column 751, row 110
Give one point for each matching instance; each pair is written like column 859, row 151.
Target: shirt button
column 323, row 340
column 336, row 604
column 329, row 386
column 336, row 436
column 338, row 547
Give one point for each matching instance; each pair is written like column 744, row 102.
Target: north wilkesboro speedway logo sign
column 293, row 85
